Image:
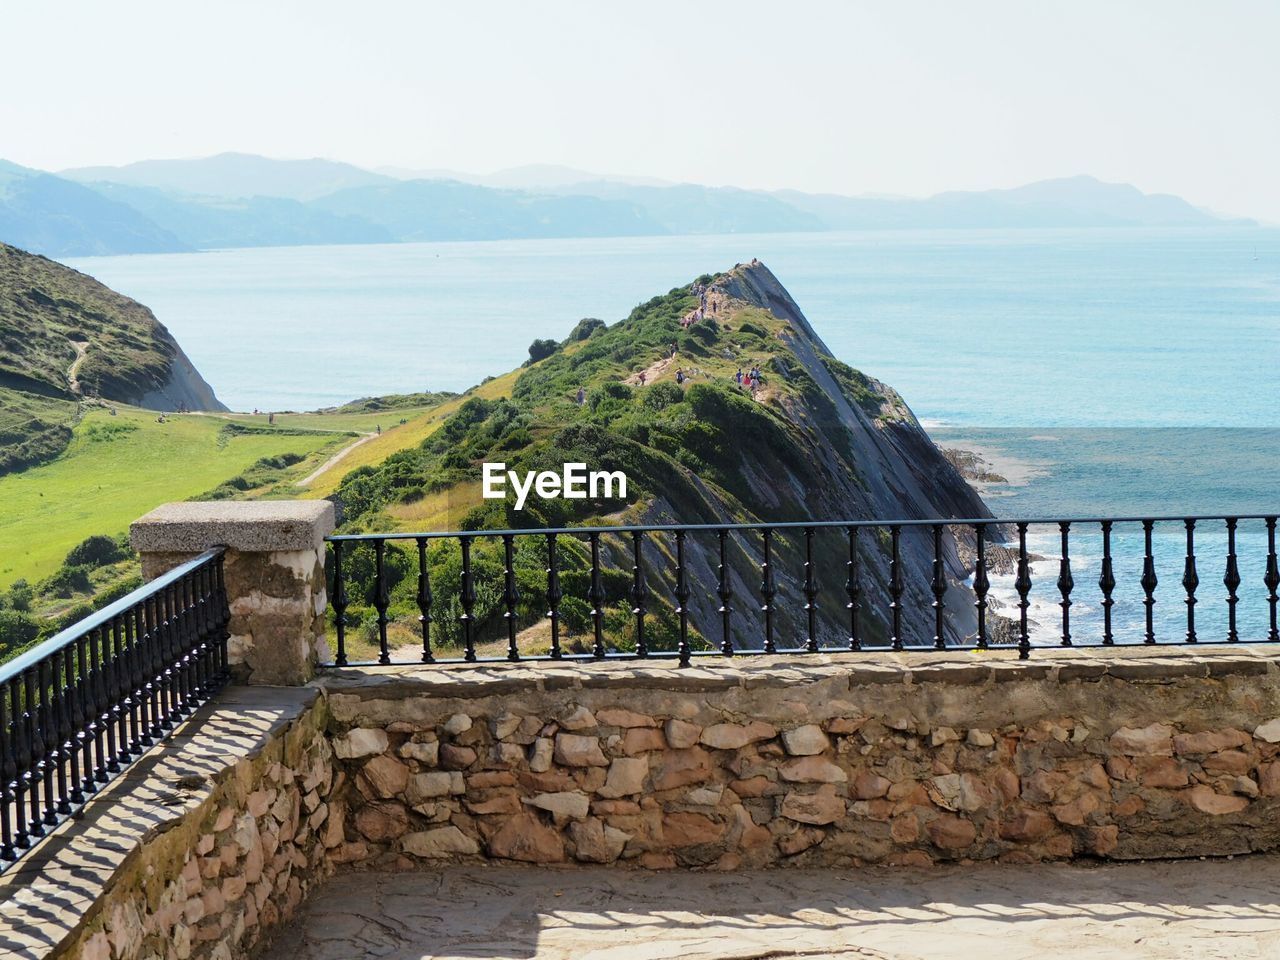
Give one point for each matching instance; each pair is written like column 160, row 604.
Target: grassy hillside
column 117, row 468
column 67, row 341
column 817, row 439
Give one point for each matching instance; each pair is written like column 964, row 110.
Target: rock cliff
column 813, row 439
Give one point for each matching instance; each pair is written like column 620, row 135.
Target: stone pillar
column 274, row 574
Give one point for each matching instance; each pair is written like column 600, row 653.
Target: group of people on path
column 750, row 380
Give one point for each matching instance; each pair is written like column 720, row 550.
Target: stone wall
column 911, row 759
column 798, row 762
column 225, row 869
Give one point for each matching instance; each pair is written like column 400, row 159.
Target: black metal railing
column 80, row 707
column 820, row 586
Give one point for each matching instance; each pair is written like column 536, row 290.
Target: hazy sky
column 901, row 97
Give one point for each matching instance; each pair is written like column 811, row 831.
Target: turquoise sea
column 1105, row 372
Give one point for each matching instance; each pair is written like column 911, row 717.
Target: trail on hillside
column 73, row 371
column 652, row 372
column 334, row 460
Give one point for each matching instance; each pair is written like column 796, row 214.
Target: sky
column 907, row 98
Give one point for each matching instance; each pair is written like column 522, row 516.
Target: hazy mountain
column 239, row 200
column 212, row 222
column 235, row 175
column 448, row 210
column 690, row 208
column 530, row 176
column 47, row 214
column 1066, row 202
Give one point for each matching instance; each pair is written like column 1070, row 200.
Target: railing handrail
column 788, row 525
column 63, row 638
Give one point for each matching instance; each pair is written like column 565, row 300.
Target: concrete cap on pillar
column 249, row 526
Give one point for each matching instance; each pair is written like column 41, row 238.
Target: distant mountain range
column 241, row 200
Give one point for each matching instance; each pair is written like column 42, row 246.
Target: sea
column 1101, row 373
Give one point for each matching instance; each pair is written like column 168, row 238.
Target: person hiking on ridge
column 738, row 376
column 582, row 396
column 643, row 376
column 680, row 377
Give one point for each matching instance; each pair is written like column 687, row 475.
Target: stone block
column 805, row 741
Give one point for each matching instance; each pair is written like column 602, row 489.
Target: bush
column 541, row 349
column 584, row 329
column 663, row 394
column 66, row 582
column 96, row 551
column 17, row 629
column 20, row 594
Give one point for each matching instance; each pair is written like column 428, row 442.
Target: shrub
column 663, row 394
column 20, row 594
column 65, row 582
column 541, row 349
column 96, row 551
column 584, row 329
column 17, row 629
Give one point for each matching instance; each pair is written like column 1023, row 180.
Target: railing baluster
column 595, row 596
column 553, row 595
column 137, row 681
column 339, row 602
column 1107, row 584
column 895, row 586
column 164, row 631
column 119, row 689
column 1149, row 580
column 810, row 593
column 938, row 586
column 99, row 699
column 156, row 686
column 682, row 600
column 853, row 589
column 381, row 598
column 639, row 593
column 35, row 827
column 724, row 590
column 21, row 763
column 1023, row 585
column 981, row 584
column 424, row 601
column 49, row 738
column 1065, row 581
column 108, row 675
column 8, row 772
column 467, row 597
column 768, row 589
column 1231, row 580
column 62, row 723
column 1271, row 580
column 84, row 704
column 1190, row 580
column 510, row 595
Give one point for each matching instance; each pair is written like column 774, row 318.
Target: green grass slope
column 117, row 468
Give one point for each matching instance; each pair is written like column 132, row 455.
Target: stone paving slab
column 1191, row 910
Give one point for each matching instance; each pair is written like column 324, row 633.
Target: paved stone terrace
column 1192, row 910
